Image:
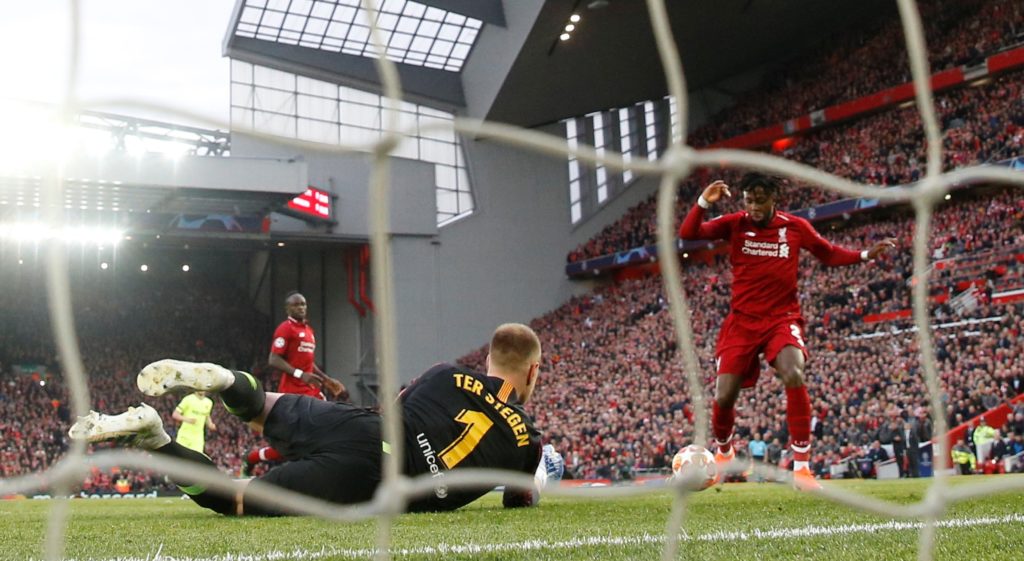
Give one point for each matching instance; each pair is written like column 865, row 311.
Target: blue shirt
column 758, row 448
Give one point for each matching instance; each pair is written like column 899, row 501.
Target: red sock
column 722, row 421
column 798, row 417
column 266, row 454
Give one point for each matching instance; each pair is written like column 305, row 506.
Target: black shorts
column 333, row 451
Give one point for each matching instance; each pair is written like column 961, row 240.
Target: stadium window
column 571, row 137
column 292, row 106
column 626, row 141
column 651, row 131
column 673, row 112
column 601, row 174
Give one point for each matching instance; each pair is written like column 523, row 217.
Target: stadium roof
column 119, row 182
column 610, row 60
column 415, row 33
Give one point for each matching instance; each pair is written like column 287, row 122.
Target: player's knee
column 792, row 376
column 726, row 398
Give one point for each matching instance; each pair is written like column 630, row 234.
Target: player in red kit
column 292, row 352
column 765, row 317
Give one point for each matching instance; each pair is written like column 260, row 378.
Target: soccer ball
column 696, row 466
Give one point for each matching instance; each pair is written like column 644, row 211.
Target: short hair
column 769, row 183
column 288, row 296
column 514, row 346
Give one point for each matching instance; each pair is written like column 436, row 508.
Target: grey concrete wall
column 505, row 262
column 348, row 177
column 452, row 287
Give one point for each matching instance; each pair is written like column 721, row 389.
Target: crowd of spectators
column 981, row 124
column 122, row 323
column 870, row 59
column 615, row 402
column 614, row 398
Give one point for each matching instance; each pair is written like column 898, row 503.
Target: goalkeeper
column 454, row 418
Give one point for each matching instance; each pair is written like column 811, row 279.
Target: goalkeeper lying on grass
column 454, row 418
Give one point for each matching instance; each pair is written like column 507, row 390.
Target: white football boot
column 163, row 376
column 139, row 427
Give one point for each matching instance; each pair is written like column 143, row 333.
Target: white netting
column 675, row 165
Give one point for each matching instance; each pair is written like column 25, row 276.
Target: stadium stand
column 852, row 150
column 201, row 319
column 616, row 400
column 616, row 396
column 958, row 33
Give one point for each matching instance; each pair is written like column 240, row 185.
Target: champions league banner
column 201, row 223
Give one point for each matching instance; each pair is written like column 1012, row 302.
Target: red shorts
column 742, row 341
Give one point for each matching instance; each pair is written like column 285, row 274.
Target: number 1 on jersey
column 477, row 425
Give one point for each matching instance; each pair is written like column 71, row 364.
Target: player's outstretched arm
column 694, row 227
column 835, row 256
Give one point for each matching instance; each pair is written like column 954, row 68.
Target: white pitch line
column 593, row 541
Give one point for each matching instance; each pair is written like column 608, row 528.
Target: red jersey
column 294, row 341
column 765, row 260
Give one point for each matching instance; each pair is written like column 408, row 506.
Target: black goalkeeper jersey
column 457, row 418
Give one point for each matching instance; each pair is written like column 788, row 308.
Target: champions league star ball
column 696, row 466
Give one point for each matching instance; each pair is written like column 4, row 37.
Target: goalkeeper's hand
column 551, row 467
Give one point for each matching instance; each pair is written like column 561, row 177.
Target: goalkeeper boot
column 139, row 427
column 803, row 480
column 163, row 376
column 723, row 464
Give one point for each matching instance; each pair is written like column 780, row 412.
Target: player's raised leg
column 168, row 375
column 789, row 363
column 141, row 427
column 240, row 392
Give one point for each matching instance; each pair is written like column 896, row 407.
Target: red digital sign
column 314, row 203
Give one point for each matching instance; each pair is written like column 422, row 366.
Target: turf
column 720, row 525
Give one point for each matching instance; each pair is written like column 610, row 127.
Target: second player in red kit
column 765, row 318
column 293, row 350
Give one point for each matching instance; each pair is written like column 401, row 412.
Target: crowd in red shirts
column 981, row 124
column 615, row 402
column 122, row 325
column 613, row 397
column 870, row 59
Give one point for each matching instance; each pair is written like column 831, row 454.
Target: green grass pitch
column 741, row 521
